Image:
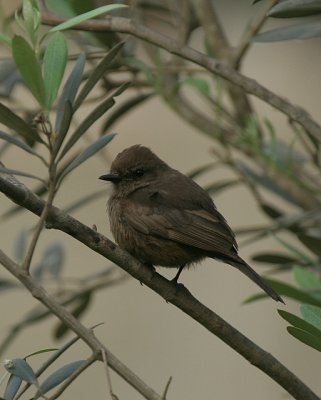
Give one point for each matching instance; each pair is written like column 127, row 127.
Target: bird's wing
column 203, row 229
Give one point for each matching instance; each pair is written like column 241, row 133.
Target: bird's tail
column 255, row 277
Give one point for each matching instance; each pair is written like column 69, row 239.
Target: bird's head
column 137, row 166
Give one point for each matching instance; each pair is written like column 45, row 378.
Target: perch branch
column 180, row 297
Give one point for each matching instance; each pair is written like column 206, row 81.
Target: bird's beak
column 110, row 177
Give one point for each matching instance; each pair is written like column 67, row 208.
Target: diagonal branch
column 125, row 25
column 180, row 297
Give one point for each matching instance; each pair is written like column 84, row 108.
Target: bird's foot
column 152, row 268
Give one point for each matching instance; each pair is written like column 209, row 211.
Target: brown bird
column 164, row 218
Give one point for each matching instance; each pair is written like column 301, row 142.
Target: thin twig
column 252, row 29
column 167, row 387
column 110, row 388
column 40, row 224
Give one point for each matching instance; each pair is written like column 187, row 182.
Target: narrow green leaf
column 125, row 108
column 313, row 243
column 271, row 211
column 64, row 126
column 97, row 73
column 89, row 152
column 60, row 7
column 307, row 30
column 70, row 89
column 88, row 15
column 306, row 279
column 31, row 18
column 19, row 367
column 300, row 323
column 295, row 8
column 273, row 258
column 201, row 85
column 14, row 122
column 54, row 64
column 59, row 376
column 29, row 68
column 41, row 352
column 218, row 186
column 86, row 124
column 14, row 140
column 305, row 337
column 312, row 314
column 92, row 118
column 20, row 246
column 9, row 171
column 5, row 40
column 12, row 387
column 82, row 304
column 285, row 289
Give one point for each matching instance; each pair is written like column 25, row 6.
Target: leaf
column 14, row 122
column 60, row 7
column 307, row 30
column 12, row 387
column 83, row 302
column 218, row 186
column 300, row 323
column 59, row 376
column 54, row 64
column 19, row 367
column 305, row 337
column 306, row 279
column 41, row 352
column 9, row 171
column 64, row 125
column 29, row 67
column 266, row 182
column 273, row 258
column 201, row 85
column 92, row 118
column 89, row 152
column 97, row 73
column 20, row 245
column 70, row 89
column 84, row 200
column 14, row 140
column 285, row 289
column 5, row 39
column 31, row 18
column 271, row 211
column 311, row 314
column 88, row 15
column 313, row 243
column 202, row 169
column 295, row 8
column 52, row 261
column 124, row 108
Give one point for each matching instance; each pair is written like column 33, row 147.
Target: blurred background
column 153, row 338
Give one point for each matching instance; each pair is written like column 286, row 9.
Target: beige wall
column 152, row 337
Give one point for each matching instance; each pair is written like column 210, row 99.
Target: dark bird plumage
column 164, row 218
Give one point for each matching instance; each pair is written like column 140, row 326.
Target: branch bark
column 126, row 25
column 180, row 297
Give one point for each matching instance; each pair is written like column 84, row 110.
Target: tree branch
column 125, row 25
column 180, row 297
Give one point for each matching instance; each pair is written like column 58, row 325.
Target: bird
column 164, row 218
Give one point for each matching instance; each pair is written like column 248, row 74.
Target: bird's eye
column 139, row 172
